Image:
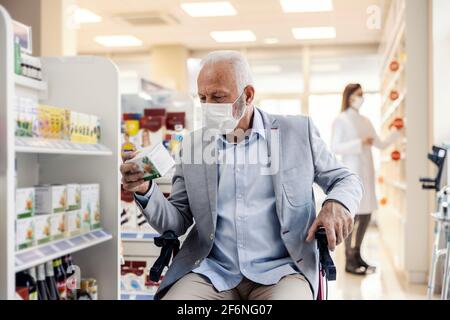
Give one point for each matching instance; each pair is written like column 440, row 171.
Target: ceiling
column 264, row 17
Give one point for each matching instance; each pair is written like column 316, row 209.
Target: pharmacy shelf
column 29, row 83
column 37, row 255
column 391, row 84
column 138, row 236
column 396, row 184
column 393, row 107
column 39, row 145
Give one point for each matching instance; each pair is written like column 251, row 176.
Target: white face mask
column 357, row 102
column 219, row 116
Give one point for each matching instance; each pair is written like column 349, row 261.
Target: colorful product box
column 24, row 203
column 42, row 229
column 50, row 199
column 57, row 227
column 85, row 207
column 73, row 197
column 95, row 206
column 154, row 161
column 72, row 223
column 24, row 233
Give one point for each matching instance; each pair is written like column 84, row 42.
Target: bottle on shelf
column 394, row 95
column 25, row 280
column 51, row 281
column 43, row 291
column 60, row 278
column 34, row 288
column 83, row 292
column 71, row 280
column 396, row 155
column 397, row 123
column 394, row 66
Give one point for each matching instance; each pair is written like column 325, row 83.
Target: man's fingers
column 312, row 230
column 345, row 232
column 331, row 237
column 133, row 177
column 128, row 155
column 132, row 185
column 129, row 168
column 339, row 233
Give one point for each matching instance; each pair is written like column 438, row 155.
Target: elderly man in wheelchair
column 243, row 185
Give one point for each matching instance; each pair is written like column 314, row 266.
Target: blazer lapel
column 211, row 177
column 274, row 144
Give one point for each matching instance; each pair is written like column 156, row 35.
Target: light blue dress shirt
column 247, row 240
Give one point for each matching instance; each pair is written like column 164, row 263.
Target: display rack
column 403, row 213
column 37, row 255
column 81, row 84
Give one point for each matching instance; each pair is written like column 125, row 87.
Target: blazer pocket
column 295, row 195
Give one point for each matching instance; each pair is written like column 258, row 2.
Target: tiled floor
column 383, row 285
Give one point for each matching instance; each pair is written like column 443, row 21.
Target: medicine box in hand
column 154, row 161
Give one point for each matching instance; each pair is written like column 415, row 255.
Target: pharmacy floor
column 383, row 285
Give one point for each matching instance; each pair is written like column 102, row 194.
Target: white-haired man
column 253, row 236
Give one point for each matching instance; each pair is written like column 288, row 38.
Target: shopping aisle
column 383, row 285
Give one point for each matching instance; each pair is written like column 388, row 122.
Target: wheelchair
column 170, row 245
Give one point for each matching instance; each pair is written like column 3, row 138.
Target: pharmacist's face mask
column 357, row 102
column 223, row 116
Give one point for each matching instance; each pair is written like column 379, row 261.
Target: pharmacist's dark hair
column 348, row 91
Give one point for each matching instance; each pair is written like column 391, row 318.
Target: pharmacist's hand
column 368, row 141
column 337, row 221
column 132, row 177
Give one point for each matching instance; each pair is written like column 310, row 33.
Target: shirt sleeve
column 143, row 199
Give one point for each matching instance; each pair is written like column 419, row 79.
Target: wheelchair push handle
column 169, row 244
column 325, row 260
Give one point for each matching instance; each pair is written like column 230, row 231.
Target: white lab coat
column 349, row 130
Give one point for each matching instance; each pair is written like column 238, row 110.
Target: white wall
column 440, row 70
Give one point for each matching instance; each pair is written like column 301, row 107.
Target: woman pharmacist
column 353, row 138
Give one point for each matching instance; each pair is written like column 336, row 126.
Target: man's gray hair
column 238, row 62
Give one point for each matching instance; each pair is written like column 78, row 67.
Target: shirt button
column 197, row 262
column 211, row 236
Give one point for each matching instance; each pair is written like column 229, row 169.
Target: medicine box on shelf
column 50, row 199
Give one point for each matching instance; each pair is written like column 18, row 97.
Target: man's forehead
column 217, row 77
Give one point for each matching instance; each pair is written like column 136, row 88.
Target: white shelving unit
column 403, row 220
column 82, row 84
column 37, row 255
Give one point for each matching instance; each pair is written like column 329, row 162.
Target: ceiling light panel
column 118, row 41
column 290, row 6
column 209, row 9
column 86, row 16
column 314, row 33
column 233, row 36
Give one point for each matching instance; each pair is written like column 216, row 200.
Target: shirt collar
column 257, row 129
column 258, row 124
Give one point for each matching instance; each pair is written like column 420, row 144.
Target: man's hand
column 337, row 222
column 132, row 177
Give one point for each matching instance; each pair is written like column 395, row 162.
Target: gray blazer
column 301, row 157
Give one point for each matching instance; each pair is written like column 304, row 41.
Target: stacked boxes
column 43, row 121
column 90, row 206
column 72, row 220
column 25, row 205
column 53, row 212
